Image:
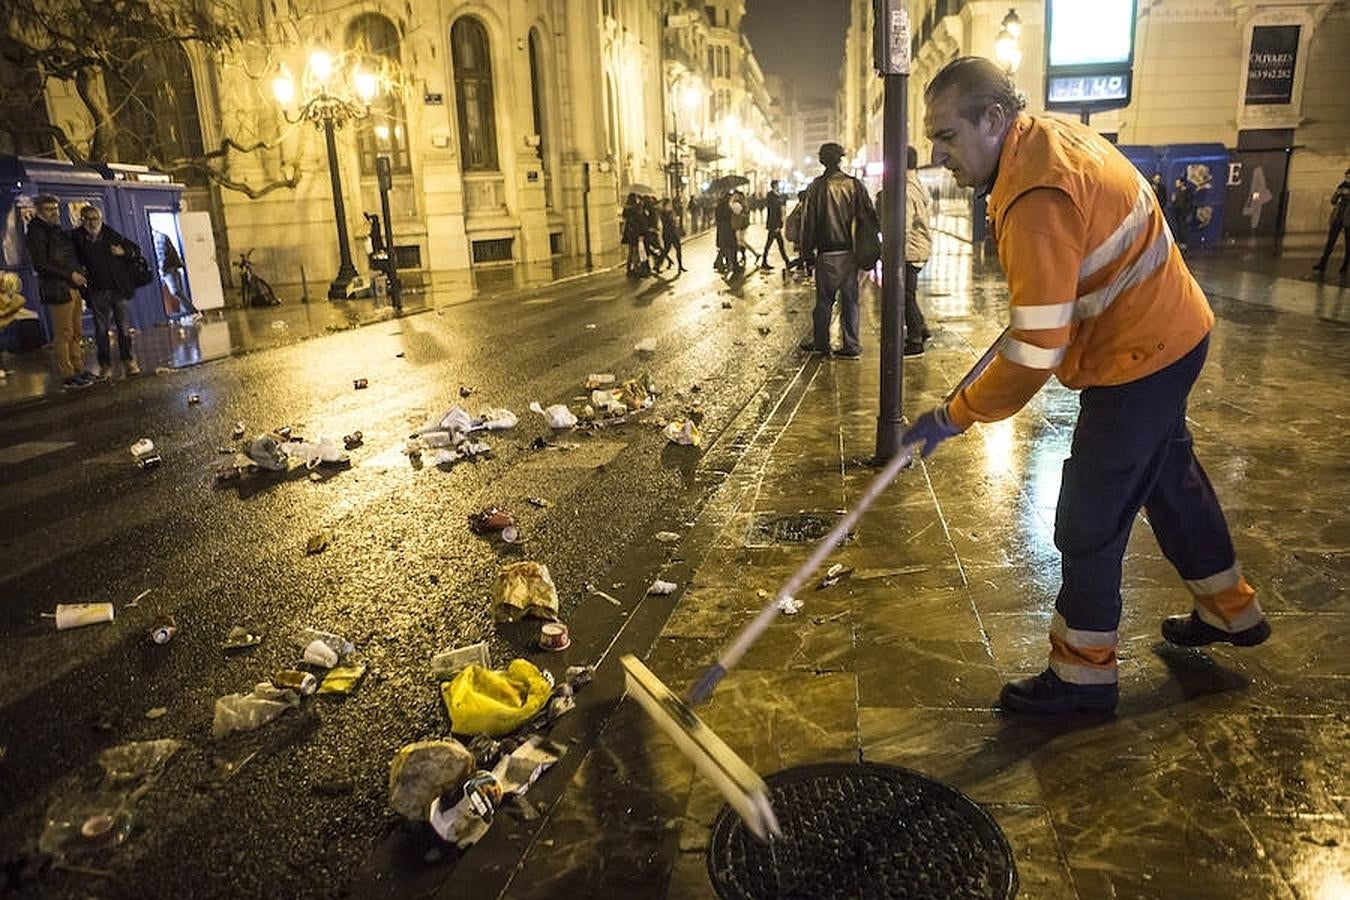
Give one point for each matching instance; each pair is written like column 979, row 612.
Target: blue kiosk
column 134, row 200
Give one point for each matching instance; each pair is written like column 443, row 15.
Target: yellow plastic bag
column 492, row 701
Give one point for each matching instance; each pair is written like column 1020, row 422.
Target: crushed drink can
column 295, row 680
column 194, row 399
column 163, row 630
column 360, row 384
column 349, row 441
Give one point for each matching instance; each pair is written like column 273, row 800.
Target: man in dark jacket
column 834, row 202
column 773, row 223
column 103, row 252
column 60, row 276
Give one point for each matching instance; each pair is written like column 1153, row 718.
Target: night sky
column 800, row 41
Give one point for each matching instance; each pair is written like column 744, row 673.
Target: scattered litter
column 265, row 452
column 240, row 638
column 592, row 589
column 421, row 772
column 343, row 679
column 557, row 415
column 602, row 379
column 324, row 451
column 317, row 653
column 77, row 615
column 492, row 419
column 835, row 574
column 524, row 589
column 465, row 823
column 353, row 440
column 447, row 664
column 491, row 520
column 661, row 588
column 194, row 399
column 85, row 821
column 726, row 304
column 145, row 454
column 318, row 542
column 339, row 645
column 684, row 433
column 238, row 431
column 465, row 391
column 246, row 712
column 163, row 630
column 279, row 325
column 495, row 701
column 667, row 537
column 539, row 502
column 360, row 384
column 790, row 606
column 284, row 432
column 646, row 345
column 157, row 712
column 303, row 683
column 590, row 326
column 553, row 636
column 136, row 601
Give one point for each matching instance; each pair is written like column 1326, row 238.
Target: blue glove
column 929, row 430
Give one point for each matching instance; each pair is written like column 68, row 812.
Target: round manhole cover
column 863, row 831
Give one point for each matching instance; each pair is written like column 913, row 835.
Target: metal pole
column 383, row 170
column 346, row 271
column 894, row 140
column 586, row 211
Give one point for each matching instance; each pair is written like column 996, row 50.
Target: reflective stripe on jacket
column 1099, row 293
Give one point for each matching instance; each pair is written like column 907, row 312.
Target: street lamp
column 690, row 96
column 329, row 105
column 1008, row 44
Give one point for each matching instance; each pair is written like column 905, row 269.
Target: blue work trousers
column 1132, row 449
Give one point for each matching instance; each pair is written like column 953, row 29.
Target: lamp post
column 690, row 96
column 329, row 106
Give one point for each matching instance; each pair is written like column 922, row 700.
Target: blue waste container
column 1204, row 167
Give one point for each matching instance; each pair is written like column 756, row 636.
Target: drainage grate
column 795, row 528
column 863, row 831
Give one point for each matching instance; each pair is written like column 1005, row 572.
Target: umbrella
column 642, row 190
column 727, row 182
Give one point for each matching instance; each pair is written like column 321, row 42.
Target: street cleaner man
column 1101, row 299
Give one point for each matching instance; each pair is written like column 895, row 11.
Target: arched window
column 473, row 95
column 153, row 101
column 373, row 39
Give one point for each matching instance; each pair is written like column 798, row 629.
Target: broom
column 742, row 787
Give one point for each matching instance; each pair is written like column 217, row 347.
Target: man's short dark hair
column 45, row 200
column 830, row 153
column 979, row 84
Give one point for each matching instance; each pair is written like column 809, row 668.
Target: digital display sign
column 1089, row 54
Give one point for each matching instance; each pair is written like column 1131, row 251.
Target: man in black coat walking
column 773, row 223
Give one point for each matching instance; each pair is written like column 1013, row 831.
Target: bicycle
column 253, row 288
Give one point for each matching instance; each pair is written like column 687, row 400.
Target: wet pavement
column 1222, row 774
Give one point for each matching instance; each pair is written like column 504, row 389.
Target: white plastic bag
column 557, row 415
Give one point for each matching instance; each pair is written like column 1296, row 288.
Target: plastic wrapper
column 265, row 452
column 496, row 420
column 646, row 345
column 683, row 433
column 343, row 679
column 557, row 415
column 326, row 450
column 662, row 588
column 246, row 712
column 447, row 664
column 524, row 589
column 130, row 763
column 495, row 701
column 85, row 822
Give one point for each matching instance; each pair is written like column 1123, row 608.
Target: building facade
column 1195, row 62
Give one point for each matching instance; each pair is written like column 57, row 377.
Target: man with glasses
column 103, row 252
column 60, row 278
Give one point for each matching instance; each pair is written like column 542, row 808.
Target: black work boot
column 1193, row 631
column 1048, row 694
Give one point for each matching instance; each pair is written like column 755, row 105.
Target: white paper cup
column 74, row 615
column 317, row 653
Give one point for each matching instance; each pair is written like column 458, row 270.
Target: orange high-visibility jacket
column 1099, row 292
